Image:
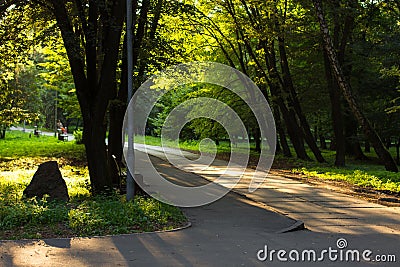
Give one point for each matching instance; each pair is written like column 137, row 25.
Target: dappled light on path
column 322, row 209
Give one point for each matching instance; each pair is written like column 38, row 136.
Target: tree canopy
column 340, row 84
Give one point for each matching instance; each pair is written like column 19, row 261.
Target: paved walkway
column 229, row 232
column 321, row 209
column 12, row 128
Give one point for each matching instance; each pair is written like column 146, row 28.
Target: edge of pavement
column 188, row 224
column 297, row 224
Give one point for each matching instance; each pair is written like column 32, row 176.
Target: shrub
column 78, row 135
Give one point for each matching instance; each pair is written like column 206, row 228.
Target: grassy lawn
column 193, row 145
column 368, row 174
column 84, row 215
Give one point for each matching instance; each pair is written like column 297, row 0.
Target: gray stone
column 48, row 180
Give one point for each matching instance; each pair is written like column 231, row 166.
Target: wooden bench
column 63, row 137
column 37, row 132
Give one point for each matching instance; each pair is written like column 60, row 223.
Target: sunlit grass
column 367, row 173
column 84, row 215
column 379, row 180
column 194, row 145
column 18, row 144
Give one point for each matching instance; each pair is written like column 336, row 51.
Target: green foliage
column 84, row 215
column 379, row 180
column 368, row 174
column 34, row 218
column 19, row 97
column 19, row 144
column 199, row 126
column 33, row 67
column 78, row 135
column 113, row 215
column 244, row 34
column 31, row 213
column 393, row 73
column 56, row 75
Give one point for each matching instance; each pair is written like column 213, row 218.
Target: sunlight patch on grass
column 84, row 215
column 379, row 180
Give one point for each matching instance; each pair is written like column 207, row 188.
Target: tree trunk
column 257, row 138
column 337, row 117
column 281, row 132
column 388, row 142
column 95, row 82
column 340, row 43
column 94, row 139
column 278, row 148
column 369, row 132
column 367, row 147
column 118, row 104
column 293, row 129
column 332, row 145
column 353, row 147
column 316, row 134
column 322, row 142
column 398, row 151
column 117, row 111
column 116, row 114
column 2, row 132
column 291, row 92
column 216, row 140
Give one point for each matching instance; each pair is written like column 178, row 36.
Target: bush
column 78, row 135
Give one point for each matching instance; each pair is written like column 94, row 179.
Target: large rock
column 48, row 180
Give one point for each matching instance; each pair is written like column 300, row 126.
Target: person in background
column 59, row 125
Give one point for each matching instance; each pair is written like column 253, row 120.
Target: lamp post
column 130, row 185
column 55, row 115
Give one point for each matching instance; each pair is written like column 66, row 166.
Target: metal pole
column 130, row 185
column 55, row 116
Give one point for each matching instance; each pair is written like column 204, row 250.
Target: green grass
column 194, row 145
column 18, row 144
column 366, row 174
column 374, row 179
column 84, row 215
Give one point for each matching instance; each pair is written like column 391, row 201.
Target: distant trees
column 252, row 38
column 202, row 127
column 18, row 99
column 278, row 44
column 35, row 72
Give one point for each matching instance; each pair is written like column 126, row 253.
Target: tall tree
column 147, row 48
column 346, row 90
column 19, row 98
column 91, row 32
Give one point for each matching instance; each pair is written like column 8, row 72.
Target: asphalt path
column 233, row 231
